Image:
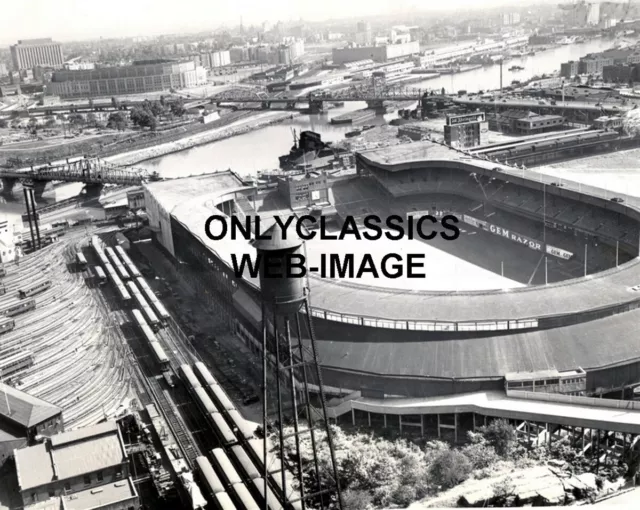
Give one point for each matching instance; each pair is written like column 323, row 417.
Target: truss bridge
column 91, row 171
column 373, row 95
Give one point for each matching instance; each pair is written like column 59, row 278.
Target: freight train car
column 217, row 422
column 101, row 277
column 120, row 269
column 34, row 288
column 153, row 300
column 81, row 261
column 148, row 313
column 160, row 357
column 123, row 293
column 128, row 264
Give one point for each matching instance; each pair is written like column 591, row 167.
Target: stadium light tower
column 285, row 298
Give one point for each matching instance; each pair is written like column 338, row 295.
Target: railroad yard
column 84, row 330
column 70, row 354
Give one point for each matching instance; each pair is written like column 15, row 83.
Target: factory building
column 381, row 53
column 84, row 468
column 141, row 77
column 30, row 53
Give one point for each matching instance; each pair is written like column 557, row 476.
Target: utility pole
column 501, row 76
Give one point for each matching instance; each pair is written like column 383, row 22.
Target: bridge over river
column 91, row 171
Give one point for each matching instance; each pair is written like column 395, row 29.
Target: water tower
column 285, row 300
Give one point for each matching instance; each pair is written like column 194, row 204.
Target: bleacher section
column 566, row 214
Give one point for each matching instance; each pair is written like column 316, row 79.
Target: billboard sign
column 516, row 237
column 503, row 232
column 557, row 252
column 454, row 120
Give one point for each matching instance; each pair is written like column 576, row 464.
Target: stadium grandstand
column 572, row 250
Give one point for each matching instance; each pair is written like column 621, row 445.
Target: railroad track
column 172, row 417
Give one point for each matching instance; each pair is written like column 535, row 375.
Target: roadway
column 522, row 103
column 497, row 404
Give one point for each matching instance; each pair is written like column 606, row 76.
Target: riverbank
column 236, row 128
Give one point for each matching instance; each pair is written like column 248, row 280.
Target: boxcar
column 220, row 398
column 81, row 261
column 203, row 374
column 223, row 502
column 189, row 377
column 224, row 468
column 100, row 275
column 210, row 481
column 243, row 495
column 222, row 430
column 272, row 501
column 248, row 466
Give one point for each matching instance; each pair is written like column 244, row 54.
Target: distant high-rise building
column 511, row 18
column 364, row 35
column 30, row 53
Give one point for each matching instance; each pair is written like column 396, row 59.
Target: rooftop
column 70, row 454
column 100, row 497
column 24, row 409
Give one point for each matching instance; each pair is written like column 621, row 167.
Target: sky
column 66, row 20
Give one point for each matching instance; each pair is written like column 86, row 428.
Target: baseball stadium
column 543, row 279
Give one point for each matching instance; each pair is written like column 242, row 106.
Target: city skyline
column 128, row 18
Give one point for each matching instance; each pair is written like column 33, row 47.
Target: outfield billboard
column 516, row 237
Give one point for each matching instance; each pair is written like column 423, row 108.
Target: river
column 259, row 150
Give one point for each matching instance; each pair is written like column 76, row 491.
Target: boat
column 308, row 148
column 516, row 68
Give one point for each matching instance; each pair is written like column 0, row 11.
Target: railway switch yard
column 81, row 328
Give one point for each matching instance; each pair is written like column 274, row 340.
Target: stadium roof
column 191, row 200
column 389, row 353
column 24, row 409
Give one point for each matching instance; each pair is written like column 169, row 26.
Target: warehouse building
column 84, row 468
column 141, row 77
column 382, row 53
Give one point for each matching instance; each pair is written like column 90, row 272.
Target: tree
column 117, row 121
column 449, row 469
column 92, row 120
column 356, row 500
column 503, row 491
column 177, row 107
column 91, row 103
column 501, row 436
column 76, row 119
column 50, row 123
column 143, row 118
column 3, row 123
column 115, row 103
